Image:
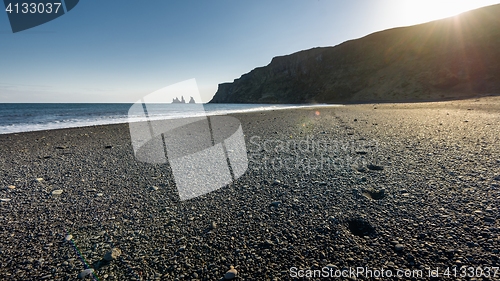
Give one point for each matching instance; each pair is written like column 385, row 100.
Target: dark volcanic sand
column 408, row 186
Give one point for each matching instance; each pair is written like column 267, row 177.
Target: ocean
column 25, row 117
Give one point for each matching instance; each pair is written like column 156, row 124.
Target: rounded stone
column 275, row 203
column 57, row 192
column 231, row 273
column 113, row 254
column 85, row 273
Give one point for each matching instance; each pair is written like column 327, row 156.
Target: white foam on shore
column 107, row 120
column 268, row 108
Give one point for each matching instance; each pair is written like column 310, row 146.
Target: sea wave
column 36, row 117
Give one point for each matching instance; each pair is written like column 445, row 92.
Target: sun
column 410, row 12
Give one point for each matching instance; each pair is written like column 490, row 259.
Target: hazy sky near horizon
column 119, row 51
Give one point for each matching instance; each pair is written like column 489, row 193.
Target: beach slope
column 394, row 186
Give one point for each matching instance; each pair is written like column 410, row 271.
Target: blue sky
column 119, row 51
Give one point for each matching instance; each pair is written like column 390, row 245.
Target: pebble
column 154, row 188
column 375, row 167
column 11, row 187
column 489, row 219
column 4, row 200
column 275, row 203
column 267, row 244
column 113, row 254
column 361, row 168
column 99, row 194
column 231, row 273
column 85, row 273
column 57, row 192
column 213, row 225
column 398, row 247
column 68, row 237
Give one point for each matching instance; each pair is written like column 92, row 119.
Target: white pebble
column 57, row 192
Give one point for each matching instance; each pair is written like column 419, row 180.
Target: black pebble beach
column 396, row 186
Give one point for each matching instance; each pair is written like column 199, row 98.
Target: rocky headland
column 452, row 58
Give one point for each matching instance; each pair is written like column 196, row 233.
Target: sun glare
column 411, row 12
